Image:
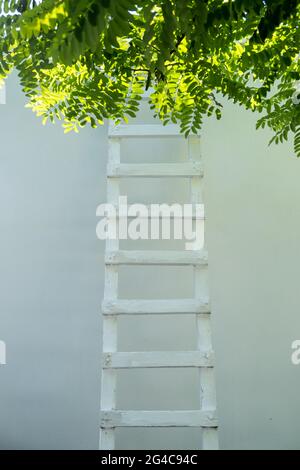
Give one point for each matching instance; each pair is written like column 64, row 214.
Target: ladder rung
column 144, row 130
column 151, row 257
column 189, row 418
column 154, row 170
column 196, row 213
column 165, row 306
column 157, row 359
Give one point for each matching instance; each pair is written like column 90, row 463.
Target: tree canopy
column 85, row 60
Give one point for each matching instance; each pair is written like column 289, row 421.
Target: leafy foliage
column 85, row 60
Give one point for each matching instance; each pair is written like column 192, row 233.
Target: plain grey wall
column 51, row 276
column 51, row 280
column 253, row 196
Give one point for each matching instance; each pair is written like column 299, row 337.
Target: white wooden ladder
column 202, row 358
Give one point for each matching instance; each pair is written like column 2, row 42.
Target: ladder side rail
column 109, row 322
column 203, row 322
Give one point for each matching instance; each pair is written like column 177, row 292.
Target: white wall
column 253, row 195
column 51, row 280
column 51, row 275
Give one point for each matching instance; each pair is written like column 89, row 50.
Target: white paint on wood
column 144, row 130
column 172, row 418
column 154, row 170
column 158, row 359
column 207, row 397
column 152, row 257
column 203, row 357
column 196, row 213
column 109, row 323
column 164, row 306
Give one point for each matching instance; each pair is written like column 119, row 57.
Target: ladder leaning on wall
column 201, row 358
